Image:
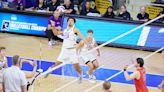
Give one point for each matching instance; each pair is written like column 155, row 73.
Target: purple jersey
column 57, row 21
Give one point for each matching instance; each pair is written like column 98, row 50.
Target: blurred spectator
column 107, row 86
column 41, row 5
column 1, row 6
column 30, row 4
column 123, row 13
column 69, row 7
column 53, row 5
column 20, row 4
column 12, row 4
column 58, row 21
column 161, row 20
column 143, row 16
column 109, row 13
column 16, row 4
column 87, row 9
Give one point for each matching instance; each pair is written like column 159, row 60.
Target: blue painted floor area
column 152, row 80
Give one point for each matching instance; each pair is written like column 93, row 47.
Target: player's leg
column 1, row 88
column 54, row 65
column 79, row 70
column 90, row 72
column 91, row 68
column 95, row 64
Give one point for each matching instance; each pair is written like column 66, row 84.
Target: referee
column 14, row 80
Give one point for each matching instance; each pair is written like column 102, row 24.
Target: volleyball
column 61, row 8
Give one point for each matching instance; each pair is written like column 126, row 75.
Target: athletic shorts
column 88, row 58
column 68, row 56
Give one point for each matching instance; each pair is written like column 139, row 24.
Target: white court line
column 143, row 36
column 87, row 90
column 54, row 68
column 161, row 30
column 148, row 56
column 69, row 83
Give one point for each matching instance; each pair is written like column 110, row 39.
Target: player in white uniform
column 90, row 58
column 68, row 51
column 3, row 64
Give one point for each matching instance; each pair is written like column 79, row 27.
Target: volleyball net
column 111, row 61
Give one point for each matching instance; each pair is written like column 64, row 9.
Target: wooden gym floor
column 112, row 58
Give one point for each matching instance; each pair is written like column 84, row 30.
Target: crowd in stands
column 83, row 8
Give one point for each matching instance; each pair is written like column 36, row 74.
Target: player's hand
column 52, row 23
column 125, row 67
column 160, row 87
column 59, row 28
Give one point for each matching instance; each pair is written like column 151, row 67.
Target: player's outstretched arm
column 130, row 76
column 79, row 34
column 79, row 46
column 31, row 74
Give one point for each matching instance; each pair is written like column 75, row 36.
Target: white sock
column 90, row 76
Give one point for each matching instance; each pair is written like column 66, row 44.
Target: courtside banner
column 26, row 24
column 148, row 36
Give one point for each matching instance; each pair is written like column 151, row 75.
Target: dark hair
column 90, row 31
column 110, row 7
column 71, row 18
column 15, row 59
column 106, row 85
column 107, row 10
column 87, row 1
column 140, row 61
column 2, row 48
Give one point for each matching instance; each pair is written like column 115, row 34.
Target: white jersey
column 2, row 63
column 90, row 57
column 68, row 51
column 70, row 40
column 88, row 46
